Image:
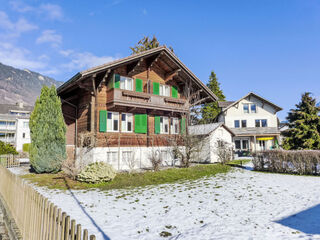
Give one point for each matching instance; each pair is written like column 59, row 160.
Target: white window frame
column 26, row 124
column 174, row 121
column 110, row 123
column 246, row 104
column 126, row 83
column 242, row 124
column 164, row 121
column 127, row 156
column 112, row 157
column 124, row 123
column 251, row 108
column 164, row 90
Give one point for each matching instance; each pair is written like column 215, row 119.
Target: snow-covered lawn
column 241, row 204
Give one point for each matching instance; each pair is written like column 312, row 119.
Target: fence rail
column 36, row 217
column 9, row 161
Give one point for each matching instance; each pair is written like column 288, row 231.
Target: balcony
column 120, row 97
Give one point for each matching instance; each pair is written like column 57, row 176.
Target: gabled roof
column 224, row 104
column 132, row 58
column 206, row 129
column 255, row 95
column 6, row 108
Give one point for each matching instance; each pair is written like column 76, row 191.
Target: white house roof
column 205, row 129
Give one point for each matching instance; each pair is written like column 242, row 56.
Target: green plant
column 97, row 172
column 6, row 148
column 26, row 147
column 47, row 128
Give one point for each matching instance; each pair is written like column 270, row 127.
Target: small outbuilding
column 213, row 133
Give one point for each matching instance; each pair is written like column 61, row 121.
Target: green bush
column 48, row 133
column 6, row 148
column 97, row 172
column 25, row 147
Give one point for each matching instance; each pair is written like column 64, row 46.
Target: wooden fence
column 36, row 217
column 9, row 161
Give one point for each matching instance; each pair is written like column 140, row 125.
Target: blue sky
column 268, row 47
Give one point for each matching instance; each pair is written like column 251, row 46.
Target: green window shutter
column 103, row 121
column 116, row 81
column 140, row 123
column 183, row 125
column 138, row 85
column 156, row 124
column 156, row 88
column 174, row 91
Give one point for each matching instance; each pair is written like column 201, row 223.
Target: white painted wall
column 264, row 111
column 219, row 134
column 21, row 130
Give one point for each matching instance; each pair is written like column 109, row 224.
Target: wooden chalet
column 137, row 101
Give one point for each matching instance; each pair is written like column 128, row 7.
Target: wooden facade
column 149, row 87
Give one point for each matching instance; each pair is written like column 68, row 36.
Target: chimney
column 20, row 104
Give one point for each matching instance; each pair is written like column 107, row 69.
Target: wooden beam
column 170, row 75
column 200, row 101
column 131, row 70
column 150, row 63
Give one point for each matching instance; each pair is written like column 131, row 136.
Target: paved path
column 3, row 230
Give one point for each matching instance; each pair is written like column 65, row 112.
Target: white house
column 213, row 133
column 254, row 122
column 14, row 124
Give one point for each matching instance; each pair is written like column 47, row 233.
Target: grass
column 239, row 162
column 127, row 180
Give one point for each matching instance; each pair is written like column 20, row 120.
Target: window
column 164, row 125
column 127, row 157
column 165, row 155
column 237, row 144
column 261, row 123
column 23, row 135
column 174, row 126
column 244, row 123
column 112, row 157
column 236, row 123
column 253, row 108
column 2, row 123
column 246, row 108
column 126, row 122
column 113, row 122
column 25, row 124
column 11, row 123
column 264, row 123
column 164, row 90
column 126, row 83
column 245, row 144
column 257, row 123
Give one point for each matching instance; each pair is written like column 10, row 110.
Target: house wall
column 219, row 134
column 264, row 111
column 21, row 130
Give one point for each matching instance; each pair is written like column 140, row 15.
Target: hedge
column 25, row 147
column 303, row 162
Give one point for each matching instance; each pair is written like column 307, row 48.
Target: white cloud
column 14, row 29
column 50, row 36
column 83, row 60
column 52, row 11
column 20, row 6
column 19, row 57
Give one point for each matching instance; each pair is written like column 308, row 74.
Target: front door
column 262, row 145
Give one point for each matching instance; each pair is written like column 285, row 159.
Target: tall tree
column 146, row 43
column 210, row 111
column 304, row 125
column 48, row 133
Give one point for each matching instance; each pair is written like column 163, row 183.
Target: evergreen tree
column 304, row 125
column 6, row 148
column 146, row 44
column 210, row 111
column 48, row 129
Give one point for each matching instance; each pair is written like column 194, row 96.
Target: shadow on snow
column 306, row 221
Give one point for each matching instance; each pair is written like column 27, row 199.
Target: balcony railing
column 145, row 100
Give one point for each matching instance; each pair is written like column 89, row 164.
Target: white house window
column 164, row 125
column 126, row 156
column 174, row 128
column 246, row 108
column 164, row 90
column 165, row 155
column 126, row 83
column 25, row 124
column 253, row 108
column 236, row 123
column 245, row 144
column 261, row 123
column 23, row 135
column 243, row 123
column 113, row 122
column 112, row 157
column 126, row 122
column 237, row 144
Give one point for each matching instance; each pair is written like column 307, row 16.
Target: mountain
column 22, row 85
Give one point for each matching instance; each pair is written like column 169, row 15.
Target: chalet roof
column 6, row 108
column 257, row 96
column 224, row 104
column 132, row 58
column 251, row 131
column 205, row 129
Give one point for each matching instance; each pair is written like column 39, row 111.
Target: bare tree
column 224, row 151
column 155, row 159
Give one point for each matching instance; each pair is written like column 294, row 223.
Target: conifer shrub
column 304, row 162
column 6, row 148
column 47, row 129
column 97, row 172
